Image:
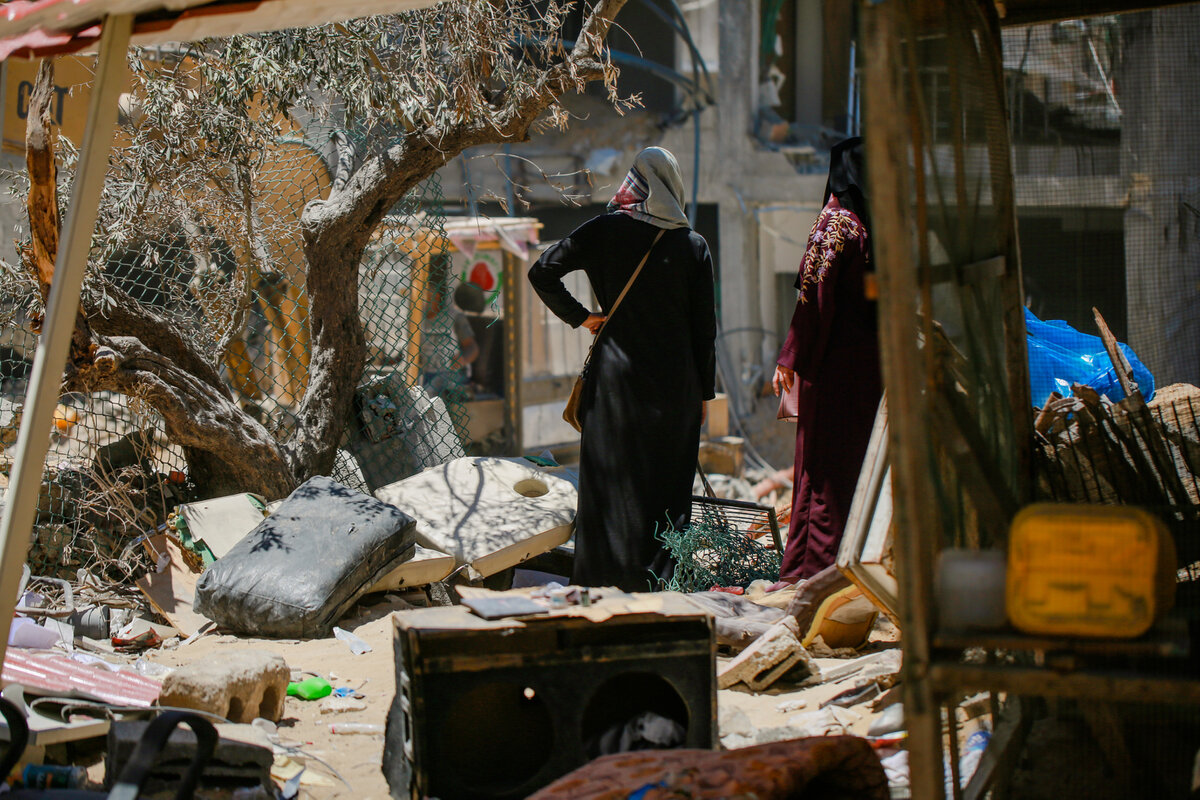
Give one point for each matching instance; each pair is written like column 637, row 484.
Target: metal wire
column 113, row 475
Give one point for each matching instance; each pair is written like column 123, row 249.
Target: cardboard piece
column 217, row 525
column 172, row 591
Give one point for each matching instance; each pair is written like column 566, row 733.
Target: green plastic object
column 313, row 688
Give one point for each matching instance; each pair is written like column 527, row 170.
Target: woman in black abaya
column 651, row 371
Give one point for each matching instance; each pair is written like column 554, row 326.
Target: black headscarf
column 848, row 178
column 848, row 182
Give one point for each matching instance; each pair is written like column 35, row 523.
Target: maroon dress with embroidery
column 833, row 346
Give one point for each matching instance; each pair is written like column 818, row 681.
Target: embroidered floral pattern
column 833, row 229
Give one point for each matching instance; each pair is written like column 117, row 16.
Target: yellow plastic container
column 1086, row 570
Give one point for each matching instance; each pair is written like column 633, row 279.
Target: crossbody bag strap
column 621, row 296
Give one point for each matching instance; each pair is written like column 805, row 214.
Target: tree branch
column 42, row 203
column 216, row 434
column 124, row 316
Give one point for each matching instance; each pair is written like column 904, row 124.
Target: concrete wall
column 1161, row 162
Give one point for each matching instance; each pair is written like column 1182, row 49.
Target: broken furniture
column 865, row 555
column 488, row 513
column 495, row 709
column 301, row 569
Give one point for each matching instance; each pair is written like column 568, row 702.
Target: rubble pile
column 1095, row 451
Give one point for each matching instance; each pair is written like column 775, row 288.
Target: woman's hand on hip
column 594, row 322
column 783, row 380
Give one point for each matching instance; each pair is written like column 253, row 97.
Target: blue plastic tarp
column 1060, row 356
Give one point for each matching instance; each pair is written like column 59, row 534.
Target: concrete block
column 873, row 665
column 771, row 655
column 240, row 686
column 243, row 756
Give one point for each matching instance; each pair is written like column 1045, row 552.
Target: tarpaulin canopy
column 51, row 27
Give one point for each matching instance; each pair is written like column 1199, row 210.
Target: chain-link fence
column 1108, row 205
column 113, row 475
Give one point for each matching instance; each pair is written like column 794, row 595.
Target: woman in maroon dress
column 832, row 351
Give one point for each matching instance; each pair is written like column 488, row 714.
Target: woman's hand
column 594, row 322
column 783, row 380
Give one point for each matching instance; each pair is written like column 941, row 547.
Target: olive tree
column 417, row 89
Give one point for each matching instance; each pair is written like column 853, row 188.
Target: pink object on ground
column 59, row 676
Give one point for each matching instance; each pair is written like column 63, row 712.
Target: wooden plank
column 1114, row 685
column 416, row 315
column 890, row 149
column 513, row 390
column 988, row 269
column 1120, row 363
column 172, row 591
column 1168, row 639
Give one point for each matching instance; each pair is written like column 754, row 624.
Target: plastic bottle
column 356, row 645
column 50, row 776
column 355, row 727
column 977, row 742
column 313, row 688
column 968, row 760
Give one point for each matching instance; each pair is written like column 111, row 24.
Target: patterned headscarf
column 653, row 190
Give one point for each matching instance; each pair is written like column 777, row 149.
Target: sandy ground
column 358, row 758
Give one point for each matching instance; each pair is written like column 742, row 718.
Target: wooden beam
column 1002, row 751
column 1125, row 686
column 41, row 397
column 513, row 390
column 889, row 152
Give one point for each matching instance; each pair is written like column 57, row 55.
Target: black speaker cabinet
column 493, row 710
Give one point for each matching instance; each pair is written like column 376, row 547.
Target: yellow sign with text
column 72, row 90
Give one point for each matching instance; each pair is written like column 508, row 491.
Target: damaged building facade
column 781, row 82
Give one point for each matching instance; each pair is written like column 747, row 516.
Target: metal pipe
column 51, row 356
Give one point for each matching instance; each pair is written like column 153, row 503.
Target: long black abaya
column 652, row 367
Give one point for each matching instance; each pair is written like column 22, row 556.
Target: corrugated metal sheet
column 59, row 676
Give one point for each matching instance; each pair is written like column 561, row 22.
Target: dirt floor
column 358, row 758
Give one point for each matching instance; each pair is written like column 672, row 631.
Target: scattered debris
column 210, row 528
column 313, row 688
column 884, row 662
column 357, row 646
column 62, row 676
column 335, row 704
column 170, row 590
column 243, row 685
column 777, row 652
column 738, row 620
